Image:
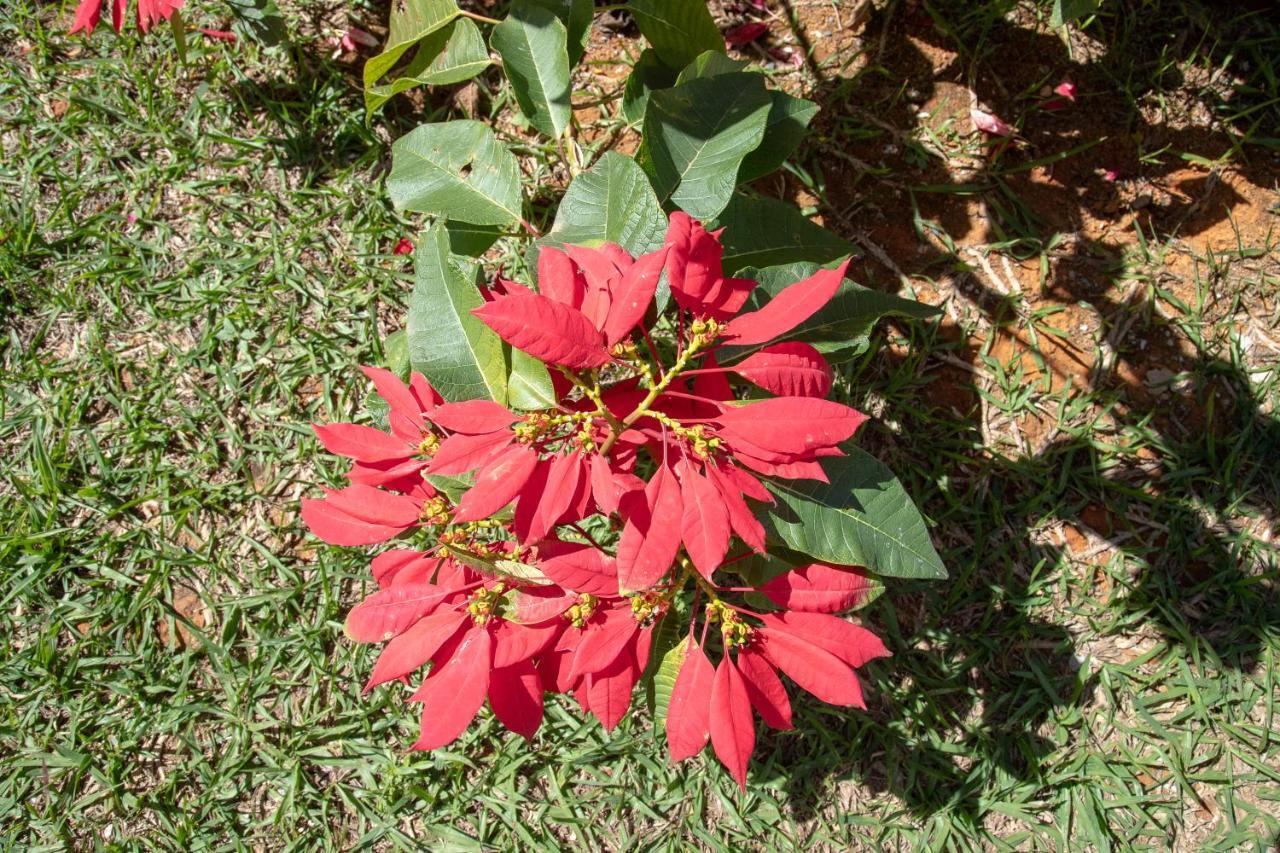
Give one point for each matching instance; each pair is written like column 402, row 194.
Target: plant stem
column 654, row 392
column 478, row 17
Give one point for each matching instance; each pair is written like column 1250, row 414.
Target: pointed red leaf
column 733, row 733
column 741, row 519
column 359, row 515
column 388, row 612
column 604, row 641
column 633, row 295
column 606, row 487
column 750, row 486
column 693, row 263
column 704, row 524
column 530, row 496
column 515, row 695
column 744, row 34
column 790, row 424
column 474, row 417
column 788, row 369
column 390, row 566
column 648, row 545
column 563, row 475
column 601, row 274
column 362, row 443
column 795, row 470
column 398, row 475
column 405, row 418
column 608, row 693
column 581, row 568
column 852, row 643
column 689, row 711
column 452, row 695
column 412, row 649
column 460, row 453
column 513, row 642
column 535, row 604
column 791, row 307
column 818, row 588
column 765, row 689
column 559, row 278
column 497, row 483
column 814, row 669
column 547, row 330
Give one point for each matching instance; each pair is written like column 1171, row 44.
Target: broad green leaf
column 411, row 22
column 696, row 136
column 1066, row 11
column 451, row 54
column 841, row 326
column 455, row 169
column 576, row 15
column 710, row 64
column 460, row 356
column 533, row 45
column 679, row 30
column 611, row 202
column 529, row 384
column 664, row 680
column 453, row 487
column 259, row 20
column 788, row 120
column 764, row 231
column 649, row 73
column 863, row 517
column 395, row 353
column 472, row 240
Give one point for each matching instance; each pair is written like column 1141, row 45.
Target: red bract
column 567, row 535
column 149, row 13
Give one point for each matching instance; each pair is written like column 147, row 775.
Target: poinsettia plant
column 257, row 19
column 614, row 468
column 573, row 547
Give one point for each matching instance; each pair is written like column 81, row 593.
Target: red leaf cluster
column 581, row 528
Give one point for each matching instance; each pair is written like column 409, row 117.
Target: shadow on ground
column 1172, row 504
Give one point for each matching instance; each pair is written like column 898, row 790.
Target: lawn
column 195, row 258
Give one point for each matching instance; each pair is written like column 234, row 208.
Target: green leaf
column 576, row 15
column 529, row 384
column 611, row 202
column 841, row 326
column 710, row 64
column 649, row 73
column 395, row 353
column 764, row 231
column 453, row 487
column 664, row 680
column 451, row 54
column 863, row 517
column 533, row 44
column 785, row 128
column 456, row 169
column 472, row 240
column 696, row 136
column 1066, row 11
column 679, row 30
column 460, row 356
column 511, row 568
column 411, row 22
column 259, row 20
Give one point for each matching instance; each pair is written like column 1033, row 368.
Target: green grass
column 174, row 673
